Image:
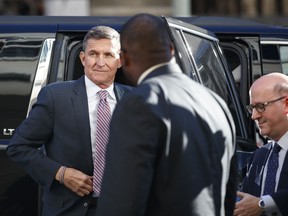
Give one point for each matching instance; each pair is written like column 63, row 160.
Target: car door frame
column 245, row 146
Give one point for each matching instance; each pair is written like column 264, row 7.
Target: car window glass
column 183, row 57
column 234, row 64
column 18, row 59
column 284, row 58
column 1, row 45
column 208, row 63
column 210, row 70
column 270, row 58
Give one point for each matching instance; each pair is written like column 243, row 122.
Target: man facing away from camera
column 172, row 144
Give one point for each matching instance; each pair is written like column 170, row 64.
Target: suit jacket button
column 85, row 204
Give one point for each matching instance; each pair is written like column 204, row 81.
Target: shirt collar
column 283, row 141
column 149, row 70
column 92, row 89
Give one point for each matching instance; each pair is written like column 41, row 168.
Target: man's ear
column 124, row 57
column 119, row 63
column 172, row 49
column 82, row 58
column 286, row 106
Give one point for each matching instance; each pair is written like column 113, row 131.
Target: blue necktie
column 272, row 167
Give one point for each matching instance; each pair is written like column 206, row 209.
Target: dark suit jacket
column 253, row 181
column 164, row 158
column 59, row 120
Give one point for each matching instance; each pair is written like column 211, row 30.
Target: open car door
column 199, row 55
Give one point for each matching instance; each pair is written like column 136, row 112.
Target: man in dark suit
column 173, row 139
column 269, row 109
column 55, row 144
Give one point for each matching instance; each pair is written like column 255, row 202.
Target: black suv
column 36, row 51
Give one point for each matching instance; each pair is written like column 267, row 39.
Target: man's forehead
column 102, row 43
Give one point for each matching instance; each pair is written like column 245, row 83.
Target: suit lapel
column 80, row 104
column 258, row 163
column 119, row 92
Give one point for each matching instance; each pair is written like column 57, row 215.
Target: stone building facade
column 255, row 9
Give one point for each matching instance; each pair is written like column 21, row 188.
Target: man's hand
column 77, row 181
column 247, row 206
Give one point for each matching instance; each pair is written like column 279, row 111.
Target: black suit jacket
column 164, row 158
column 59, row 120
column 253, row 181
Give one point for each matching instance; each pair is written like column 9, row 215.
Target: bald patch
column 273, row 82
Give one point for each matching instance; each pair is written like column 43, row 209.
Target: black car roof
column 214, row 24
column 219, row 24
column 59, row 23
column 62, row 19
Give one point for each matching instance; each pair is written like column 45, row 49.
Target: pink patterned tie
column 102, row 135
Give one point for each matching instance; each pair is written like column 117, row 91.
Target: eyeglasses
column 260, row 107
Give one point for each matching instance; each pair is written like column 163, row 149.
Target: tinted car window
column 203, row 53
column 208, row 64
column 18, row 59
column 270, row 58
column 284, row 58
column 234, row 66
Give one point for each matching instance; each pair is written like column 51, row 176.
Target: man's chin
column 263, row 132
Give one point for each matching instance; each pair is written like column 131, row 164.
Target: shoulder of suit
column 124, row 87
column 264, row 148
column 60, row 86
column 267, row 145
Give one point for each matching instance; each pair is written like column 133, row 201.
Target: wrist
column 57, row 176
column 60, row 174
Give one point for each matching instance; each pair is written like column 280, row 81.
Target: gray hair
column 102, row 32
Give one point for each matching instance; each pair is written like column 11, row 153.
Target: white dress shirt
column 93, row 100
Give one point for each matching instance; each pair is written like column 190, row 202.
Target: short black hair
column 145, row 32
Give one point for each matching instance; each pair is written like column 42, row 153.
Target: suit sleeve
column 231, row 187
column 130, row 159
column 26, row 145
column 232, row 183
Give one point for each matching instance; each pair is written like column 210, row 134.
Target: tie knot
column 103, row 94
column 276, row 148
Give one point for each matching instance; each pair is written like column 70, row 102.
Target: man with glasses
column 169, row 153
column 265, row 187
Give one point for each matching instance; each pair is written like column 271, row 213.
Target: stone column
column 249, row 8
column 268, row 7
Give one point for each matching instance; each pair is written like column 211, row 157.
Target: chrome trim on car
column 42, row 71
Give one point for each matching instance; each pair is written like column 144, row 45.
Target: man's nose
column 100, row 61
column 255, row 114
